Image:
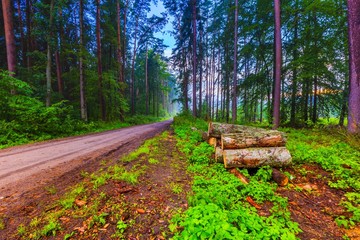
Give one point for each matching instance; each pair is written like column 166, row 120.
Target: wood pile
column 248, row 147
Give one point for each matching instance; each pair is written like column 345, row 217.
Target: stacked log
column 248, row 147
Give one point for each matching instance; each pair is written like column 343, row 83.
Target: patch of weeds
column 2, row 223
column 99, row 180
column 69, row 235
column 51, row 189
column 35, row 222
column 51, row 228
column 153, row 161
column 99, row 219
column 21, row 230
column 84, row 174
column 120, row 229
column 176, row 188
column 144, row 149
column 119, row 173
column 69, row 198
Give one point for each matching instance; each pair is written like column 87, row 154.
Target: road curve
column 18, row 163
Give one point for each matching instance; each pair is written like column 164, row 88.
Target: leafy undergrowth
column 218, row 207
column 133, row 199
column 42, row 123
column 334, row 151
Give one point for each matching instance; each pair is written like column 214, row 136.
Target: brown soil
column 145, row 207
column 313, row 204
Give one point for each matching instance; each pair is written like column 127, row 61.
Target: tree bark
column 58, row 72
column 217, row 129
column 194, row 55
column 234, row 100
column 257, row 157
column 22, row 35
column 354, row 66
column 99, row 67
column 132, row 83
column 119, row 57
column 9, row 35
column 83, row 108
column 280, row 178
column 48, row 65
column 146, row 83
column 219, row 157
column 251, row 138
column 277, row 68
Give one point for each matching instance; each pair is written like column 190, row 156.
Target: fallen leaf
column 65, row 219
column 80, row 203
column 80, row 229
column 140, row 210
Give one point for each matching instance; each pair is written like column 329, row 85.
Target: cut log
column 216, row 129
column 256, row 157
column 205, row 136
column 248, row 139
column 219, row 155
column 212, row 141
column 280, row 178
column 239, row 175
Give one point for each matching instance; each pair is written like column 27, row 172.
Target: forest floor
column 135, row 196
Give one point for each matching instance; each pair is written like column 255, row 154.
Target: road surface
column 19, row 163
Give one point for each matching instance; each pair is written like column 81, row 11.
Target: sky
column 166, row 35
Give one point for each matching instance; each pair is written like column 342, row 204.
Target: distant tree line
column 99, row 57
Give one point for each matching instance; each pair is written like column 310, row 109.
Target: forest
column 100, row 60
column 76, row 67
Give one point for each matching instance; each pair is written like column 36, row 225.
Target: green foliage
column 21, row 230
column 218, row 208
column 2, row 223
column 153, row 161
column 51, row 228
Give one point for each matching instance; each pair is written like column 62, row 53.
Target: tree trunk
column 217, row 129
column 257, row 157
column 277, row 68
column 58, row 72
column 9, row 35
column 354, row 66
column 252, row 138
column 28, row 33
column 146, row 83
column 132, row 83
column 83, row 109
column 100, row 80
column 234, row 100
column 124, row 42
column 121, row 80
column 22, row 35
column 48, row 65
column 194, row 55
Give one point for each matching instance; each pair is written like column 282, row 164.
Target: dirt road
column 25, row 167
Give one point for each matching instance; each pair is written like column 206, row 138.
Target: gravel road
column 53, row 158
